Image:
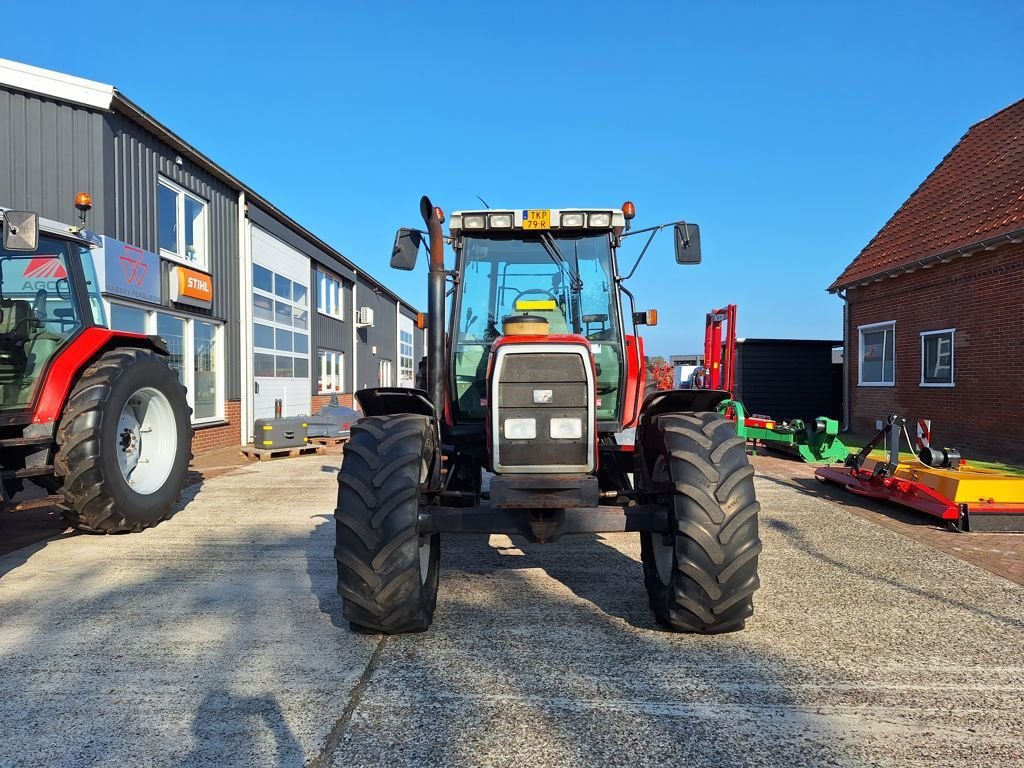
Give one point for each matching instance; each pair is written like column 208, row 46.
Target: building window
column 280, row 326
column 195, row 354
column 204, row 367
column 406, row 374
column 877, row 355
column 181, row 225
column 384, row 373
column 937, row 358
column 331, row 367
column 329, row 295
column 128, row 319
column 172, row 330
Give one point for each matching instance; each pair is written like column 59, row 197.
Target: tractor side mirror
column 687, row 244
column 407, row 245
column 21, row 230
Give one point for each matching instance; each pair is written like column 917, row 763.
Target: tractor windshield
column 504, row 276
column 38, row 313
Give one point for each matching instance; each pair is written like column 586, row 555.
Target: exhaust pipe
column 435, row 307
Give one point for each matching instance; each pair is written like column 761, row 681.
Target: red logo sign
column 133, row 266
column 45, row 268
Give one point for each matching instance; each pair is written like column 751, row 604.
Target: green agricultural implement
column 817, row 443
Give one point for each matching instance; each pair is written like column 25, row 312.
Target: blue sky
column 789, row 131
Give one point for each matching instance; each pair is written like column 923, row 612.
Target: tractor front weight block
column 543, row 525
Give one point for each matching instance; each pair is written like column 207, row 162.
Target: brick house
column 934, row 313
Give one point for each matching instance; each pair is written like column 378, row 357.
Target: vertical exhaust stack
column 435, row 307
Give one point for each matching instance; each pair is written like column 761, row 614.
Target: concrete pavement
column 217, row 639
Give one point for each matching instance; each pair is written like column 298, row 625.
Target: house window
column 181, row 225
column 937, row 358
column 280, row 326
column 196, row 354
column 329, row 295
column 331, row 367
column 877, row 355
column 406, row 376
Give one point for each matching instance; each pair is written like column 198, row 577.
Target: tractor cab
column 561, row 280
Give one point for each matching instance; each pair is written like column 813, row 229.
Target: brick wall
column 982, row 297
column 221, row 435
column 319, row 401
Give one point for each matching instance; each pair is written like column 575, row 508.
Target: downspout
column 246, row 383
column 435, row 307
column 355, row 336
column 846, row 360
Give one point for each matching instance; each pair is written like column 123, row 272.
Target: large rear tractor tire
column 701, row 576
column 387, row 572
column 124, row 443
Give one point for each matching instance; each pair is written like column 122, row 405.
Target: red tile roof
column 974, row 194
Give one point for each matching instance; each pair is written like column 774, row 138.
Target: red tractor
column 94, row 417
column 533, row 384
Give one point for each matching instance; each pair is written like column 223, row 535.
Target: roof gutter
column 988, row 244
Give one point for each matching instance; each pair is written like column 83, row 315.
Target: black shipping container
column 788, row 378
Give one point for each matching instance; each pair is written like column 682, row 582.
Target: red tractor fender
column 636, row 380
column 74, row 358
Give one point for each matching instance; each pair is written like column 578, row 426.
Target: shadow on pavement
column 799, row 541
column 223, row 718
column 587, row 674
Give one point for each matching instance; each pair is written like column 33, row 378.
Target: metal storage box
column 271, row 434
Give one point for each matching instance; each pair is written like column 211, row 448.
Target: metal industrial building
column 257, row 310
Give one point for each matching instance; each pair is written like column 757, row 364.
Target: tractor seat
column 16, row 322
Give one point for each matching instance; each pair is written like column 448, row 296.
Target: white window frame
column 952, row 358
column 333, row 303
column 276, row 326
column 872, row 327
column 335, row 361
column 385, row 366
column 181, row 257
column 188, row 360
column 406, row 374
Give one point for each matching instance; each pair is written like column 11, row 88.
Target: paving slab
column 217, row 639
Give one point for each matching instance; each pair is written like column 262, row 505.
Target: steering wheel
column 528, row 291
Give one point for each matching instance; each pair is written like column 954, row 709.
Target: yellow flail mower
column 937, row 482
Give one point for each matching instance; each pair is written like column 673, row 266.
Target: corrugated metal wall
column 50, row 151
column 138, row 159
column 329, row 333
column 383, row 334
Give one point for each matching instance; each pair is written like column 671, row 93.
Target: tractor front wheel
column 701, row 575
column 124, row 443
column 387, row 571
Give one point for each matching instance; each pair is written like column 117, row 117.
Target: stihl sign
column 191, row 287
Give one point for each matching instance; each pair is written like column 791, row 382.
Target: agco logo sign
column 42, row 272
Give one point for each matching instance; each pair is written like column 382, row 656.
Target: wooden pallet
column 328, row 440
column 265, row 454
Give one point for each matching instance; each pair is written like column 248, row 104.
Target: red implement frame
column 720, row 348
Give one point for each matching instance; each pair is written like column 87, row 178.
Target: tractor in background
column 94, row 417
column 534, row 369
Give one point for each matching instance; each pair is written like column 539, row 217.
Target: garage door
column 280, row 332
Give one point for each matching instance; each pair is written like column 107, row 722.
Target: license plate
column 537, row 219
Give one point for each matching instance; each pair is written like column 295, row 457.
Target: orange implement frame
column 720, row 348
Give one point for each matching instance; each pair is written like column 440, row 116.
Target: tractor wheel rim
column 147, row 440
column 663, row 546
